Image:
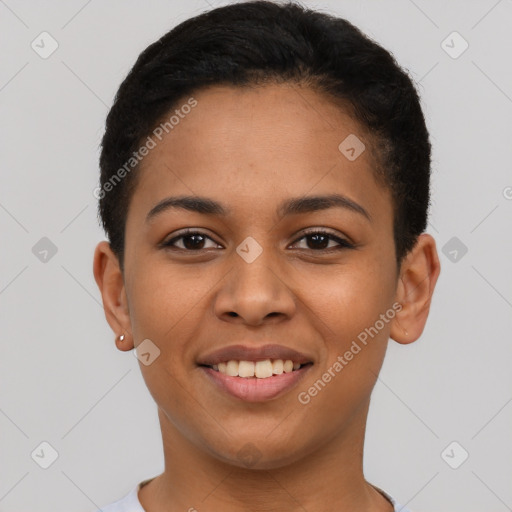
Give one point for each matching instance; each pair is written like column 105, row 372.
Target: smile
column 255, row 388
column 258, row 369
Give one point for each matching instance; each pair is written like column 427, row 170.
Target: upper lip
column 247, row 353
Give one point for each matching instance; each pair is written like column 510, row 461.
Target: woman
column 264, row 189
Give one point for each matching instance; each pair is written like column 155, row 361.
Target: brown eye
column 191, row 241
column 319, row 241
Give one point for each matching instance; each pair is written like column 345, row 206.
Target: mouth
column 255, row 373
column 263, row 369
column 255, row 381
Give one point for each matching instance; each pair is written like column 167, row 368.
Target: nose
column 255, row 292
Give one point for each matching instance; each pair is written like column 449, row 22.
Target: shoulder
column 128, row 503
column 394, row 502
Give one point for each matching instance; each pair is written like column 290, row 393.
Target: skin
column 250, row 149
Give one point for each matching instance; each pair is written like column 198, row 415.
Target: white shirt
column 131, row 503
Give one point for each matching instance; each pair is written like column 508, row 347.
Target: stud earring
column 121, row 337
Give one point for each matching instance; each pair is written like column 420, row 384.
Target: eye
column 321, row 239
column 195, row 241
column 191, row 240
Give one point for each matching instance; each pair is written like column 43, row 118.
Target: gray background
column 63, row 381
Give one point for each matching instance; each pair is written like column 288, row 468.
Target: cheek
column 165, row 310
column 162, row 301
column 350, row 298
column 350, row 304
column 355, row 339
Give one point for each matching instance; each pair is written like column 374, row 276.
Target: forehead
column 254, row 146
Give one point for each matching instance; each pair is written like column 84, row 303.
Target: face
column 258, row 274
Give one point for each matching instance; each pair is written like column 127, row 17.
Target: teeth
column 263, row 369
column 260, row 369
column 232, row 368
column 277, row 367
column 288, row 366
column 245, row 369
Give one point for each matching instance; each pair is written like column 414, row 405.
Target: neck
column 330, row 479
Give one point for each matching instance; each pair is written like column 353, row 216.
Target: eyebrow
column 293, row 206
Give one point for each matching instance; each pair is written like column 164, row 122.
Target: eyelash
column 343, row 244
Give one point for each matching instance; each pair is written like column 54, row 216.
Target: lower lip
column 253, row 389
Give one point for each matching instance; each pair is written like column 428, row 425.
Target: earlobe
column 109, row 278
column 124, row 343
column 418, row 276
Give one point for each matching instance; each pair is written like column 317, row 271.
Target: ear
column 418, row 276
column 110, row 281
